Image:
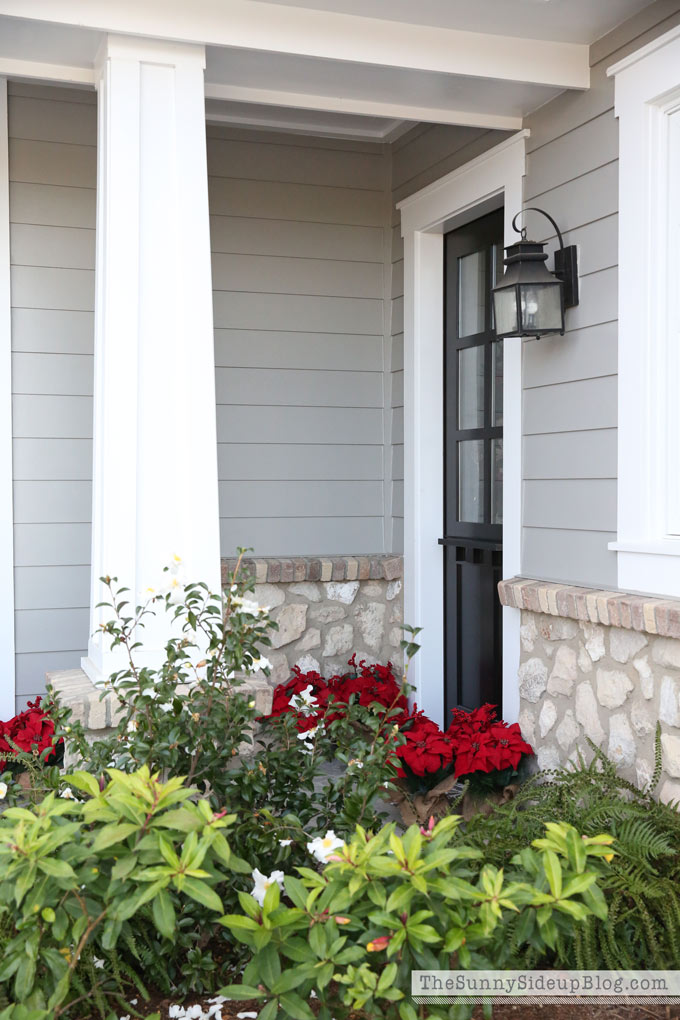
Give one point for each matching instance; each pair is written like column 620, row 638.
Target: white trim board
column 7, row 660
column 492, row 179
column 648, row 107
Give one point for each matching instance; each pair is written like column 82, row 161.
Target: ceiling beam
column 252, row 24
column 41, row 71
column 361, row 107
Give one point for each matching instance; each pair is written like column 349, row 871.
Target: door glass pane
column 471, row 481
column 472, row 293
column 496, row 481
column 471, row 388
column 497, row 382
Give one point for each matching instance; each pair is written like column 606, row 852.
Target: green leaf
column 202, row 893
column 579, row 884
column 112, row 834
column 270, row 1010
column 164, row 914
column 289, row 979
column 553, row 872
column 241, row 992
column 295, row 1007
column 83, row 781
column 56, row 868
column 269, row 966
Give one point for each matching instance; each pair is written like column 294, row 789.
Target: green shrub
column 642, row 887
column 75, row 874
column 386, row 905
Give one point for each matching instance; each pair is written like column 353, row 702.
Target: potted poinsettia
column 30, row 732
column 488, row 753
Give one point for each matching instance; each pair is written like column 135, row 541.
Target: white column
column 6, row 509
column 155, row 453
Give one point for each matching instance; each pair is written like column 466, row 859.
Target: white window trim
column 494, row 178
column 7, row 660
column 647, row 97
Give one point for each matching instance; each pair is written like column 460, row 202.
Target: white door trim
column 494, row 178
column 7, row 670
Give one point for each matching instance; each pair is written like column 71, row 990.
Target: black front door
column 473, row 465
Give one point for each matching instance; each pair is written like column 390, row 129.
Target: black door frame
column 472, row 551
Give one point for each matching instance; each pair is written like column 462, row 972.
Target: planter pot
column 420, row 807
column 485, row 802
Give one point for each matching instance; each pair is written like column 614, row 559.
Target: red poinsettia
column 297, row 685
column 426, row 751
column 30, row 729
column 483, row 743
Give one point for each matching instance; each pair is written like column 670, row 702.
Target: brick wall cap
column 593, row 605
column 282, row 570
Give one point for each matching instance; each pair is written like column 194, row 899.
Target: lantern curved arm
column 523, row 230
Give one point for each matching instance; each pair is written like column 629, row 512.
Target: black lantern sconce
column 529, row 300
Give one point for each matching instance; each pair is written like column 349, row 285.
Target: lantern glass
column 505, row 311
column 541, row 307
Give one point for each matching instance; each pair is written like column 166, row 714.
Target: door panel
column 473, row 465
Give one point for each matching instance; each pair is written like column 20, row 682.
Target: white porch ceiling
column 352, row 68
column 575, row 21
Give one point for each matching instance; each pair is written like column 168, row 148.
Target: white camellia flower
column 68, row 794
column 305, row 702
column 322, row 846
column 285, row 842
column 261, row 663
column 3, row 791
column 355, row 763
column 175, row 589
column 262, row 883
column 176, row 563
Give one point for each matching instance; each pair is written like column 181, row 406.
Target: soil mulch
column 523, row 1011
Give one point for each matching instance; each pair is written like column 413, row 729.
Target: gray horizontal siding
column 570, row 395
column 52, row 149
column 298, row 241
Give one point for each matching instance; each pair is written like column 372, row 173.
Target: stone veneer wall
column 327, row 609
column 603, row 665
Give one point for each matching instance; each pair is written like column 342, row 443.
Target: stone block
column 528, row 632
column 548, row 758
column 666, row 652
column 557, row 628
column 328, row 614
column 613, row 687
column 533, row 679
column 547, row 717
column 395, row 637
column 373, row 590
column 308, row 664
column 671, row 754
column 326, row 570
column 393, row 589
column 307, row 589
column 585, row 663
column 568, row 730
column 344, row 592
column 643, row 773
column 292, row 621
column 587, row 712
column 670, row 794
column 310, row 639
column 646, row 678
column 97, row 714
column 269, row 595
column 594, row 641
column 625, row 644
column 527, row 725
column 352, row 569
column 371, row 621
column 339, row 639
column 564, row 672
column 641, row 718
column 622, row 747
column 669, row 701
